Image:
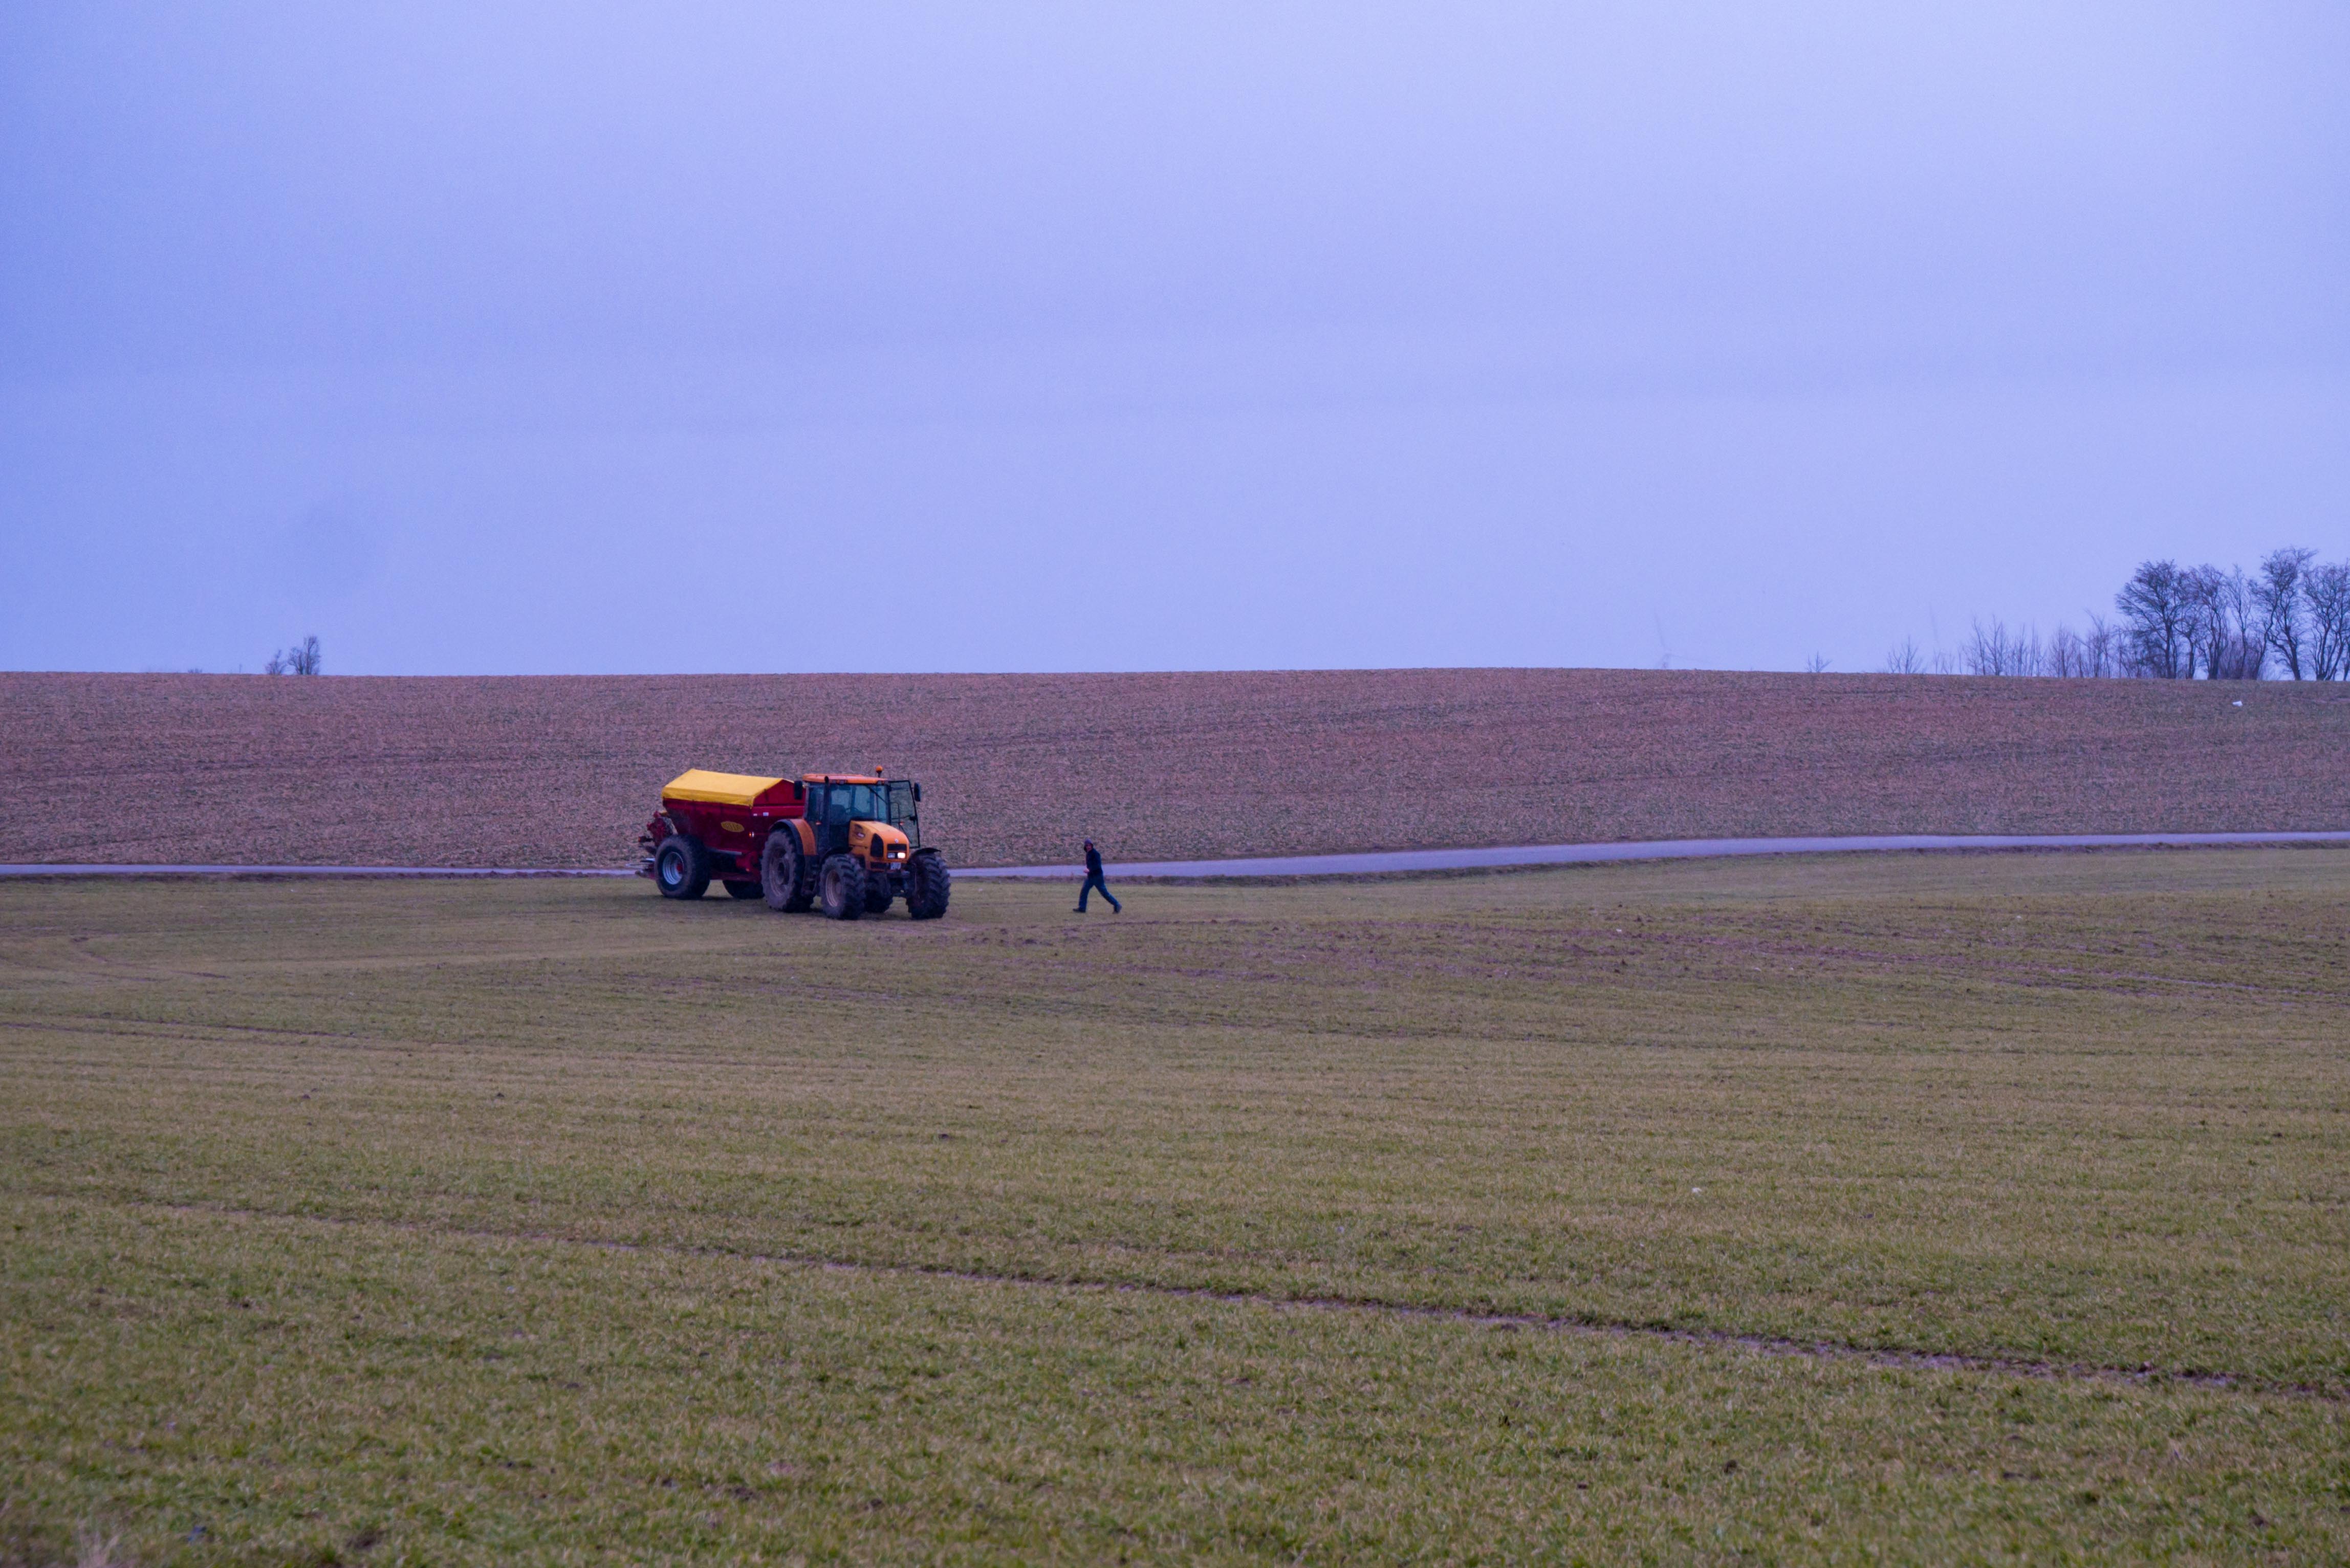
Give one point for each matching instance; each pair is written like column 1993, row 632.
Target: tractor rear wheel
column 742, row 889
column 784, row 873
column 877, row 895
column 927, row 885
column 844, row 887
column 680, row 868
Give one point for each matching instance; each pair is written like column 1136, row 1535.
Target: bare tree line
column 2290, row 620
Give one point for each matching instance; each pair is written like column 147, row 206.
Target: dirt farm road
column 1384, row 862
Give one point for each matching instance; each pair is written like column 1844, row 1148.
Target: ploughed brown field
column 562, row 771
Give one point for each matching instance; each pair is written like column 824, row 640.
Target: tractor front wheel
column 927, row 883
column 784, row 873
column 680, row 868
column 844, row 888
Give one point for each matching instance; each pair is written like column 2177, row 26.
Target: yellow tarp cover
column 718, row 789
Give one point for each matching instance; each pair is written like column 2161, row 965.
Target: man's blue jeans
column 1094, row 881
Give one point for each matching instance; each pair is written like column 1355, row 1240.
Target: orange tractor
column 851, row 841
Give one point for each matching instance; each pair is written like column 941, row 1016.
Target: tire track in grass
column 1890, row 1357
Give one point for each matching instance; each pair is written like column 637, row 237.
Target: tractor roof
column 718, row 789
column 873, row 778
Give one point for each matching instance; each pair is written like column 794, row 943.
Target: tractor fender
column 806, row 834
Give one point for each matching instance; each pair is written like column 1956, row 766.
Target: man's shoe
column 1077, row 911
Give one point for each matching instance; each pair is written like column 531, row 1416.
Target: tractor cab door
column 829, row 810
column 903, row 814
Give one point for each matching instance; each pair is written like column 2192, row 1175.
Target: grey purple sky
column 489, row 338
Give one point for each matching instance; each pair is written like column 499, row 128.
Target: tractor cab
column 838, row 804
column 837, row 800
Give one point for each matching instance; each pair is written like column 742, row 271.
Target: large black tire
column 785, row 875
column 739, row 889
column 842, row 887
column 877, row 896
column 681, row 870
column 927, row 885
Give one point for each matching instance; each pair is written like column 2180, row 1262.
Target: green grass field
column 1578, row 1213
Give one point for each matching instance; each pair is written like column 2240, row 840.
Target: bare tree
column 2249, row 645
column 1985, row 653
column 2207, row 619
column 2065, row 655
column 2155, row 611
column 1996, row 651
column 302, row 658
column 1817, row 664
column 1905, row 659
column 2101, row 647
column 2278, row 601
column 2235, row 646
column 2325, row 593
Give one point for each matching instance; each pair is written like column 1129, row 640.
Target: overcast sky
column 487, row 339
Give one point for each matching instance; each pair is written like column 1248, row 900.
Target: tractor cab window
column 845, row 804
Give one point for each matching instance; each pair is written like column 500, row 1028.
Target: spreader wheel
column 784, row 873
column 927, row 885
column 843, row 886
column 680, row 868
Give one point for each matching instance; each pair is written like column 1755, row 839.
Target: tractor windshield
column 845, row 804
column 903, row 817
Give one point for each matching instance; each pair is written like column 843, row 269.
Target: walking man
column 1094, row 881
